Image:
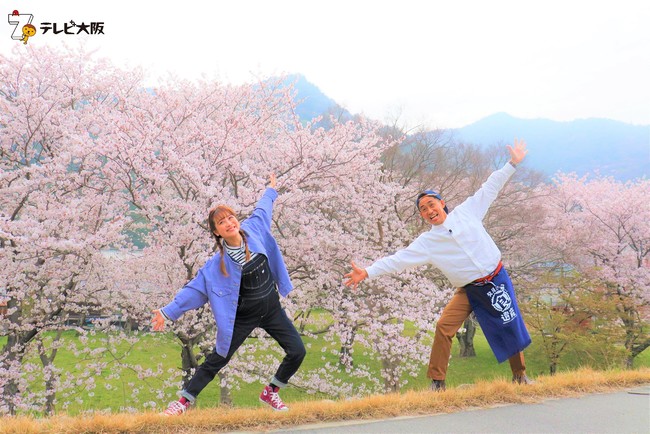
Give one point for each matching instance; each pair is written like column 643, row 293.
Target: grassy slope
column 415, row 402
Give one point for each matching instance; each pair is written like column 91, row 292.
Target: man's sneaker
column 438, row 385
column 271, row 397
column 522, row 379
column 177, row 408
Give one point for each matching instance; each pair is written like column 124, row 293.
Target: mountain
column 583, row 146
column 312, row 102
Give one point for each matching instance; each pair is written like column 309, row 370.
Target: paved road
column 617, row 413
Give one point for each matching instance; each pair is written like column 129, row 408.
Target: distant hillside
column 311, row 101
column 583, row 146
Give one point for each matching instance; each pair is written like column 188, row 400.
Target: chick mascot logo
column 23, row 28
column 28, row 32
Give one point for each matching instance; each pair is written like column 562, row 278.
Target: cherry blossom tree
column 183, row 148
column 105, row 190
column 603, row 228
column 59, row 206
column 90, row 156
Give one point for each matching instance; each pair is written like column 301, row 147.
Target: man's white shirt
column 460, row 247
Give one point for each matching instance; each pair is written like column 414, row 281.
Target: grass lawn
column 116, row 387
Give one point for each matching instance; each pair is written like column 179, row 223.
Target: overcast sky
column 433, row 63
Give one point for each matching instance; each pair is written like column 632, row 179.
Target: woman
column 241, row 282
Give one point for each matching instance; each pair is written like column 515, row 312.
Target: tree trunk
column 226, row 399
column 12, row 358
column 188, row 361
column 554, row 356
column 345, row 353
column 391, row 385
column 14, row 352
column 304, row 316
column 10, row 390
column 629, row 362
column 51, row 381
column 130, row 325
column 466, row 338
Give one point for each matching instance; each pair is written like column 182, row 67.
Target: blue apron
column 496, row 310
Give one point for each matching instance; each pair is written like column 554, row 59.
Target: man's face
column 432, row 210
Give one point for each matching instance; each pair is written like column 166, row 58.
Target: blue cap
column 430, row 193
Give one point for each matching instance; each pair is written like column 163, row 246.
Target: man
column 459, row 246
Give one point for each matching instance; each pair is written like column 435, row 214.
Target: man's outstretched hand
column 355, row 276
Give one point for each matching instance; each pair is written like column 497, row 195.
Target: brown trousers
column 453, row 316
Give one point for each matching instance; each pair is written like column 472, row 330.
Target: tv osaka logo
column 24, row 29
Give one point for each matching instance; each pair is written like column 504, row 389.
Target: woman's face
column 227, row 227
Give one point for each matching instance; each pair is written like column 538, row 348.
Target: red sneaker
column 272, row 398
column 176, row 408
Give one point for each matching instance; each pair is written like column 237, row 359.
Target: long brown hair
column 216, row 214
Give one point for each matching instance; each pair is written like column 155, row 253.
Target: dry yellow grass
column 484, row 394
